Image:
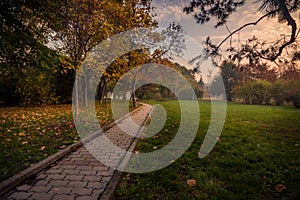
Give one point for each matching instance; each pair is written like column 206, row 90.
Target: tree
column 254, row 50
column 78, row 26
column 24, row 57
column 231, row 76
column 167, row 43
column 127, row 15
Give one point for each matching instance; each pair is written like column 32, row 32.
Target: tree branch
column 291, row 22
column 244, row 26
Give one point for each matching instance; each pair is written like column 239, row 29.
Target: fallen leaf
column 280, row 188
column 62, row 147
column 21, row 134
column 191, row 182
column 42, row 148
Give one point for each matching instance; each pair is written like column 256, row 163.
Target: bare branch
column 291, row 22
column 244, row 26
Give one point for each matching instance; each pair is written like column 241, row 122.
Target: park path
column 78, row 175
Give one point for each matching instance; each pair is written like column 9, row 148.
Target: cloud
column 169, row 11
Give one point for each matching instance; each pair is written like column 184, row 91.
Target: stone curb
column 112, row 185
column 14, row 181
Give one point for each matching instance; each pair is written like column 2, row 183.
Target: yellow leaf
column 42, row 148
column 21, row 134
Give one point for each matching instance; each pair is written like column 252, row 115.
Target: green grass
column 257, row 150
column 28, row 135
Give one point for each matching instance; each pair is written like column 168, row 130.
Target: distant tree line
column 260, row 84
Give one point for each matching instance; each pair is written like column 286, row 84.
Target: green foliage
column 264, row 92
column 255, row 92
column 293, row 92
column 230, row 75
column 35, row 89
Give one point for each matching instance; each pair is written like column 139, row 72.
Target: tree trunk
column 101, row 91
column 133, row 93
column 85, row 98
column 105, row 89
column 133, row 99
column 75, row 98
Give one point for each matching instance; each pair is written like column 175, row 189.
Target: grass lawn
column 257, row 157
column 28, row 135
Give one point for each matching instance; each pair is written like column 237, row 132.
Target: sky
column 168, row 11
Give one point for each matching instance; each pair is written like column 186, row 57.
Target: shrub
column 255, row 92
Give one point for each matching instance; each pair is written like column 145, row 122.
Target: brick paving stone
column 87, row 198
column 96, row 185
column 56, row 166
column 41, row 196
column 74, row 177
column 105, row 173
column 65, row 162
column 84, row 163
column 77, row 184
column 42, row 182
column 40, row 189
column 78, row 159
column 20, row 195
column 88, row 172
column 100, row 168
column 84, row 167
column 67, row 166
column 41, row 176
column 58, row 183
column 71, row 171
column 95, row 163
column 61, row 190
column 54, row 171
column 97, row 192
column 93, row 178
column 82, row 191
column 56, row 176
column 64, row 197
column 24, row 187
column 106, row 179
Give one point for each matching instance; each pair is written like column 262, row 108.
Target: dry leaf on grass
column 280, row 188
column 42, row 148
column 191, row 182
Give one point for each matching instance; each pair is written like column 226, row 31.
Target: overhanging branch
column 244, row 26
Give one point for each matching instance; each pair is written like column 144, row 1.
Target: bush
column 35, row 89
column 296, row 101
column 278, row 91
column 255, row 92
column 262, row 92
